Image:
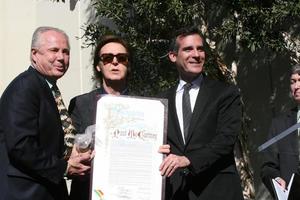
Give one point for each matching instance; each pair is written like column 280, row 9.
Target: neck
column 189, row 79
column 114, row 87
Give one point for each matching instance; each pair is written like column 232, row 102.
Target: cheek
column 292, row 88
column 67, row 58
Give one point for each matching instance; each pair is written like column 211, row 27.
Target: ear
column 172, row 56
column 33, row 53
column 98, row 68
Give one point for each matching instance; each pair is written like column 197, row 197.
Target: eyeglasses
column 109, row 57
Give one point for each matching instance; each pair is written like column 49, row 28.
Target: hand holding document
column 292, row 192
column 129, row 132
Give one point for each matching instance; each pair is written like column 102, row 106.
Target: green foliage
column 148, row 26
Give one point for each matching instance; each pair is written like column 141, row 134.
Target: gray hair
column 295, row 69
column 35, row 42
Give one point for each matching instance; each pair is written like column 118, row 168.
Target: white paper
column 281, row 193
column 128, row 134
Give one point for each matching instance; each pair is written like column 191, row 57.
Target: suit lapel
column 176, row 133
column 46, row 88
column 291, row 119
column 201, row 102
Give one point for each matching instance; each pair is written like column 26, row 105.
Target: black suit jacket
column 282, row 158
column 83, row 112
column 31, row 141
column 213, row 131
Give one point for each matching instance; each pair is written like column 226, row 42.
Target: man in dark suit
column 200, row 162
column 32, row 162
column 111, row 66
column 281, row 160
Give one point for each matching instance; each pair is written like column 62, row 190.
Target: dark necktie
column 66, row 122
column 186, row 109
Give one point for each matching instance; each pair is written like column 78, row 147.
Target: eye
column 187, row 49
column 66, row 51
column 200, row 49
column 54, row 49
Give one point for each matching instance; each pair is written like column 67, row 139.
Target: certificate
column 129, row 131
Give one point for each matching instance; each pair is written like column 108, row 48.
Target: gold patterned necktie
column 66, row 122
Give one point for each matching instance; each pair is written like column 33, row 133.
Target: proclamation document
column 129, row 131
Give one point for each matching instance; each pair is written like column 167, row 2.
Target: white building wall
column 18, row 20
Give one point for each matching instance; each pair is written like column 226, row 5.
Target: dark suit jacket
column 83, row 109
column 31, row 141
column 213, row 131
column 83, row 113
column 282, row 158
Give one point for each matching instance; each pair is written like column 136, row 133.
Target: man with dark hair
column 281, row 160
column 203, row 124
column 36, row 152
column 111, row 67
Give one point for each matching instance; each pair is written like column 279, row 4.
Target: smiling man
column 34, row 158
column 204, row 121
column 281, row 160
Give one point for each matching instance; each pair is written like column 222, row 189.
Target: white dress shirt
column 193, row 96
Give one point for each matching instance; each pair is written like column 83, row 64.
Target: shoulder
column 26, row 82
column 86, row 96
column 167, row 93
column 84, row 99
column 217, row 84
column 219, row 90
column 292, row 113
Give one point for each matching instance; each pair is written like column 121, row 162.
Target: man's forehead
column 295, row 75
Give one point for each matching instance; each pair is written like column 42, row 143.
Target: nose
column 115, row 61
column 60, row 55
column 196, row 53
column 297, row 84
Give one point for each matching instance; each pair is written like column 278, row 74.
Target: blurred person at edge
column 281, row 160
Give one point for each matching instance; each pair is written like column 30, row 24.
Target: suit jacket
column 214, row 127
column 83, row 113
column 31, row 141
column 282, row 158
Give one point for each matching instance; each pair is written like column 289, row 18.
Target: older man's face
column 51, row 57
column 295, row 87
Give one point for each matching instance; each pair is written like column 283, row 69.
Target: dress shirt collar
column 195, row 83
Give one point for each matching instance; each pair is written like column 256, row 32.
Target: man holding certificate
column 203, row 123
column 111, row 66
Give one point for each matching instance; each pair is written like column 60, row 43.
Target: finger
column 164, row 149
column 170, row 170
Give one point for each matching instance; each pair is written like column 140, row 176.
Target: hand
column 171, row 163
column 164, row 149
column 79, row 163
column 281, row 182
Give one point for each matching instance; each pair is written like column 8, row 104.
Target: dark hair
column 183, row 32
column 295, row 69
column 103, row 41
